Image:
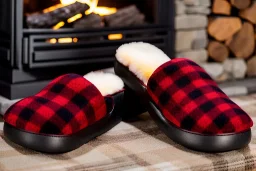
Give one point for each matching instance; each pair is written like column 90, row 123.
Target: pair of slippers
column 181, row 97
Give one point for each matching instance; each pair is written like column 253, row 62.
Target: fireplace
column 40, row 40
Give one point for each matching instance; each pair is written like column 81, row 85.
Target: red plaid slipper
column 184, row 101
column 67, row 113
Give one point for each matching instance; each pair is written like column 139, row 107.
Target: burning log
column 90, row 21
column 49, row 19
column 125, row 17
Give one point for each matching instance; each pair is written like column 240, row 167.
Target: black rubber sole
column 198, row 142
column 133, row 105
column 63, row 144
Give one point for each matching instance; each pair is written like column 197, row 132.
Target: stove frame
column 28, row 62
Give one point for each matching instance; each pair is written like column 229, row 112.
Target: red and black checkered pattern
column 189, row 98
column 67, row 105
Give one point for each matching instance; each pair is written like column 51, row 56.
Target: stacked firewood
column 127, row 16
column 232, row 32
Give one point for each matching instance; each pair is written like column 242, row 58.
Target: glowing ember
column 74, row 18
column 63, row 40
column 52, row 41
column 52, row 8
column 75, row 40
column 59, row 25
column 115, row 36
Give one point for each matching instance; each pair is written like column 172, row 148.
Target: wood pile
column 232, row 32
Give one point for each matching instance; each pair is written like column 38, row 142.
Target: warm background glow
column 93, row 7
column 67, row 2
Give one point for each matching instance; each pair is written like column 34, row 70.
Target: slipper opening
column 141, row 58
column 106, row 83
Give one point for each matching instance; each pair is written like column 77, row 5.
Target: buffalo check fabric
column 138, row 145
column 67, row 105
column 190, row 99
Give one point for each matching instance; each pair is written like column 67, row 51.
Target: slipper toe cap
column 67, row 105
column 191, row 100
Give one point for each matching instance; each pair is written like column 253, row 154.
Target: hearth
column 40, row 40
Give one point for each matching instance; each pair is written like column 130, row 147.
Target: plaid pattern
column 67, row 105
column 135, row 146
column 191, row 100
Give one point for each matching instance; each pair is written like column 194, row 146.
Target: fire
column 102, row 11
column 67, row 2
column 94, row 8
column 74, row 18
column 59, row 25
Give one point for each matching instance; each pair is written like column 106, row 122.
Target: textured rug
column 134, row 146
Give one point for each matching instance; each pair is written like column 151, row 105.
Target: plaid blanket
column 136, row 145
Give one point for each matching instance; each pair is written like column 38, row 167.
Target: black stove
column 31, row 56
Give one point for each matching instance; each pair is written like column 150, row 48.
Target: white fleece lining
column 141, row 58
column 107, row 83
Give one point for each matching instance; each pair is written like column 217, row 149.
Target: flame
column 92, row 3
column 67, row 2
column 94, row 8
column 102, row 11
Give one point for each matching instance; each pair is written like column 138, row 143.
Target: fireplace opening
column 81, row 14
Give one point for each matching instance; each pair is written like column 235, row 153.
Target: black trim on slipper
column 55, row 144
column 194, row 141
